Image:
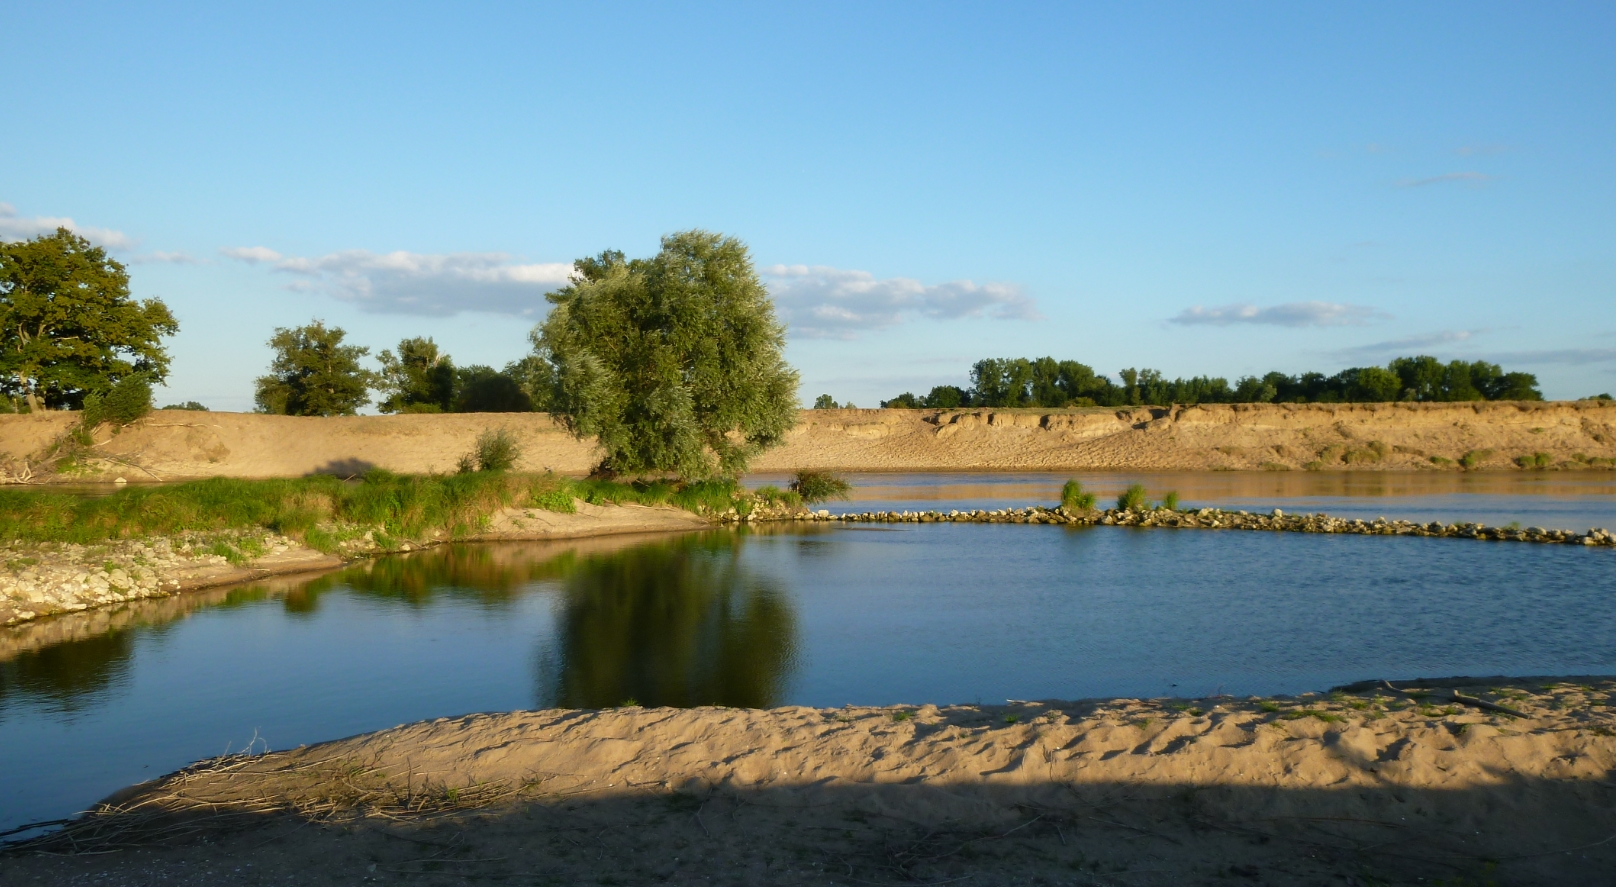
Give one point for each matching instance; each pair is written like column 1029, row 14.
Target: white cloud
column 832, row 303
column 1292, row 314
column 1407, row 345
column 252, row 255
column 15, row 227
column 1473, row 178
column 160, row 257
column 419, row 283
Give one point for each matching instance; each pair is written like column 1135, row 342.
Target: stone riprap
column 1208, row 519
column 40, row 579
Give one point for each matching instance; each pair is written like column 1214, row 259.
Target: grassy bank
column 324, row 511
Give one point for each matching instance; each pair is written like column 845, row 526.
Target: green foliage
column 1132, row 499
column 418, row 379
column 482, row 389
column 1536, row 460
column 1604, row 396
column 1048, row 383
column 535, row 376
column 1074, row 498
column 127, row 400
column 314, row 508
column 190, row 405
column 826, row 402
column 1474, row 458
column 495, row 450
column 314, row 374
column 673, row 363
column 68, row 326
column 1170, row 501
column 820, row 486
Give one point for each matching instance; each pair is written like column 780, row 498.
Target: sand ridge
column 1373, row 787
column 171, row 444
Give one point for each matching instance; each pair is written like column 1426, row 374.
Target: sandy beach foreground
column 1366, row 787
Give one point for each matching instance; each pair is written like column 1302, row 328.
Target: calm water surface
column 1562, row 500
column 796, row 615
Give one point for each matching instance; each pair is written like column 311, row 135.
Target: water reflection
column 68, row 675
column 677, row 623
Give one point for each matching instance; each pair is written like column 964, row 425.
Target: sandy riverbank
column 1367, row 788
column 1379, row 437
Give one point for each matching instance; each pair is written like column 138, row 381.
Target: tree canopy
column 68, row 325
column 1047, row 382
column 314, row 374
column 674, row 362
column 418, row 379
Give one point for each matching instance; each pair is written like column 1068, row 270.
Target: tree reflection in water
column 677, row 623
column 68, row 675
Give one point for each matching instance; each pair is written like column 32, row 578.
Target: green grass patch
column 1074, row 498
column 325, row 511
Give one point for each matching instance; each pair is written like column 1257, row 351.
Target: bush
column 1073, row 498
column 495, row 450
column 1536, row 460
column 188, row 405
column 1474, row 458
column 819, row 486
column 1132, row 499
column 1170, row 501
column 127, row 400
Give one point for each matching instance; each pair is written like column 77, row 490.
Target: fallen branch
column 1462, row 700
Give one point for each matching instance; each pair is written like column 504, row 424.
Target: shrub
column 495, row 450
column 127, row 400
column 1442, row 461
column 1170, row 501
column 1073, row 497
column 1474, row 458
column 776, row 496
column 191, row 405
column 1536, row 460
column 1274, row 466
column 820, row 486
column 1132, row 499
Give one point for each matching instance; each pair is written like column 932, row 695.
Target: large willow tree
column 674, row 362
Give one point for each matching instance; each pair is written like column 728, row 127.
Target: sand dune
column 1351, row 788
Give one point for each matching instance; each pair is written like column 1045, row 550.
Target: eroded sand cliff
column 1578, row 434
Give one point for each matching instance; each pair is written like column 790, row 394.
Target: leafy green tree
column 674, row 362
column 947, row 397
column 188, row 405
column 535, row 375
column 482, row 389
column 314, row 374
column 418, row 379
column 826, row 402
column 68, row 326
column 904, row 401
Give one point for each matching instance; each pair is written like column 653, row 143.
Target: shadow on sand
column 1514, row 832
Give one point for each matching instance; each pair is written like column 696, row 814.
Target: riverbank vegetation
column 324, row 511
column 1047, row 382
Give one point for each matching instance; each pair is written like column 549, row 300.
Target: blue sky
column 1203, row 188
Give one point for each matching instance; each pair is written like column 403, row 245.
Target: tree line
column 672, row 363
column 1047, row 382
column 314, row 373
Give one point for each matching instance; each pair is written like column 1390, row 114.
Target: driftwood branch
column 1461, row 699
